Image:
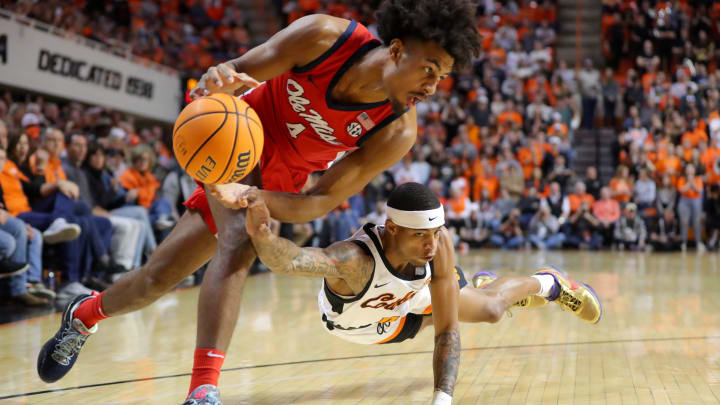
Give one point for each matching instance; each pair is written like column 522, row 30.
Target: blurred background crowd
column 89, row 192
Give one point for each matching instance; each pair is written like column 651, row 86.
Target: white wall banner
column 36, row 57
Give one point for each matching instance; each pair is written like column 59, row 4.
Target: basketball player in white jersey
column 386, row 283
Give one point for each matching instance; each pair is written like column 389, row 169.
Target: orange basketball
column 218, row 139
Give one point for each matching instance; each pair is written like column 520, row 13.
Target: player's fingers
column 252, row 195
column 247, row 80
column 199, row 91
column 214, row 76
column 227, row 73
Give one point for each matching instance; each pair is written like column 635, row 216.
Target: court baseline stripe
column 292, row 363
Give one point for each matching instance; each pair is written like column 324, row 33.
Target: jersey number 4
column 295, row 129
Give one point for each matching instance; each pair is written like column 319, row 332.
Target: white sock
column 546, row 284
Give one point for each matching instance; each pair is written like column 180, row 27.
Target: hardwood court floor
column 658, row 343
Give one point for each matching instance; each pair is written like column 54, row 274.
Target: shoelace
column 70, row 343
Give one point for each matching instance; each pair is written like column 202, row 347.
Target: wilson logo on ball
column 243, row 160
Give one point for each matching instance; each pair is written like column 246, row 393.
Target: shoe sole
column 16, row 272
column 65, row 235
column 598, row 300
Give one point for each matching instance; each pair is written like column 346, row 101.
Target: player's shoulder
column 319, row 29
column 349, row 252
column 401, row 132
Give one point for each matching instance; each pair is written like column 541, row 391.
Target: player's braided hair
column 412, row 197
column 450, row 23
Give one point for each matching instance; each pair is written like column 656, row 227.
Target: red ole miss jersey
column 305, row 129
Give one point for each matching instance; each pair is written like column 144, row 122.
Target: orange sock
column 206, row 368
column 90, row 311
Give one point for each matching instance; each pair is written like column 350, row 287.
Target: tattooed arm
column 445, row 293
column 344, row 260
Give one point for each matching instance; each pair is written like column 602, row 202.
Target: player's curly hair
column 450, row 23
column 412, row 197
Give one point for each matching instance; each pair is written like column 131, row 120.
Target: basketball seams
column 235, row 141
column 217, row 148
column 214, row 112
column 247, row 117
column 205, row 142
column 196, row 116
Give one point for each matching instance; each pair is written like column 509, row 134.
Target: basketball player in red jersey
column 329, row 87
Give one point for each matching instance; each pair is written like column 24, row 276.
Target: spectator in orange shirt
column 558, row 128
column 486, row 181
column 607, row 212
column 687, row 149
column 510, row 116
column 579, row 196
column 671, row 164
column 54, row 143
column 710, row 158
column 140, row 183
column 694, row 137
column 458, row 210
column 690, row 188
column 528, row 158
column 622, row 184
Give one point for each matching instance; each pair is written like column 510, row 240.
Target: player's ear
column 396, row 49
column 391, row 227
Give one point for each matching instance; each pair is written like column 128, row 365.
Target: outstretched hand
column 234, row 195
column 222, row 79
column 257, row 220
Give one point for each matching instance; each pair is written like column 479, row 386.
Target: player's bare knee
column 232, row 237
column 495, row 311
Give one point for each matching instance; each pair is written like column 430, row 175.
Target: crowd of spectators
column 495, row 143
column 83, row 194
column 188, row 35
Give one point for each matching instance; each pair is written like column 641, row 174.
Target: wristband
column 441, row 398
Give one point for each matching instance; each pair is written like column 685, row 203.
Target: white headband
column 417, row 219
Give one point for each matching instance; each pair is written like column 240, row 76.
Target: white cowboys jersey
column 378, row 313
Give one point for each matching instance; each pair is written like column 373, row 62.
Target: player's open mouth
column 414, row 99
